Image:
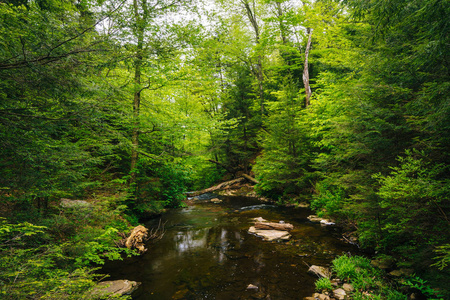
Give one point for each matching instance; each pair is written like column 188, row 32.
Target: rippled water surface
column 207, row 253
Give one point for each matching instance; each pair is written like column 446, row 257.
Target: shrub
column 364, row 277
column 323, row 284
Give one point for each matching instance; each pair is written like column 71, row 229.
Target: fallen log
column 274, row 226
column 250, row 178
column 218, row 187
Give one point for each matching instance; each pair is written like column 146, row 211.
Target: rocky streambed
column 208, row 252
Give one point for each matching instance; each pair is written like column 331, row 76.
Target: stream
column 207, row 253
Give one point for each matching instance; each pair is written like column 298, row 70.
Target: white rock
column 319, row 271
column 270, row 235
column 339, row 294
column 326, row 222
column 348, row 287
column 316, row 219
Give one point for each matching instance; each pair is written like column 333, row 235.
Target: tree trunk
column 251, row 14
column 139, row 33
column 305, row 70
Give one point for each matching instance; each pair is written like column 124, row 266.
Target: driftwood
column 274, row 226
column 223, row 185
column 137, row 238
column 250, row 178
column 218, row 187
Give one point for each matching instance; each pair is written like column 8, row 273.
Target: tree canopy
column 341, row 104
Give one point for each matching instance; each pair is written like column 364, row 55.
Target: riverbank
column 390, row 278
column 53, row 254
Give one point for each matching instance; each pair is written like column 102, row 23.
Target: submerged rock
column 252, row 287
column 255, row 207
column 259, row 219
column 316, row 219
column 216, row 200
column 326, row 222
column 320, row 271
column 270, row 235
column 115, row 288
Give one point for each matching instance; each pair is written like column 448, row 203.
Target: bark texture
column 306, row 69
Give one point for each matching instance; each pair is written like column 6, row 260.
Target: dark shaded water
column 207, row 253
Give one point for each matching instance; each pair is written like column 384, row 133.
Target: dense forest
column 129, row 104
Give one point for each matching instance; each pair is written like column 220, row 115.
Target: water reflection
column 207, row 253
column 190, row 240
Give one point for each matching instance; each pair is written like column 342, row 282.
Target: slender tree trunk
column 139, row 33
column 245, row 150
column 260, row 84
column 251, row 14
column 280, row 14
column 136, row 111
column 306, row 70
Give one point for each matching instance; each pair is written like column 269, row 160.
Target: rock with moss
column 383, row 263
column 115, row 288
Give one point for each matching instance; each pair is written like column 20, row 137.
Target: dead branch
column 218, row 187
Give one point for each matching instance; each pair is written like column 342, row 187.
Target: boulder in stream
column 319, row 271
column 316, row 219
column 115, row 288
column 270, row 235
column 216, row 200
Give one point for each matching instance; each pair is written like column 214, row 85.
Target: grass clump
column 368, row 281
column 323, row 284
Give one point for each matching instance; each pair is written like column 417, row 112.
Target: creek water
column 207, row 253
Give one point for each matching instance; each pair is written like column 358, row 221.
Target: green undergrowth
column 56, row 256
column 370, row 282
